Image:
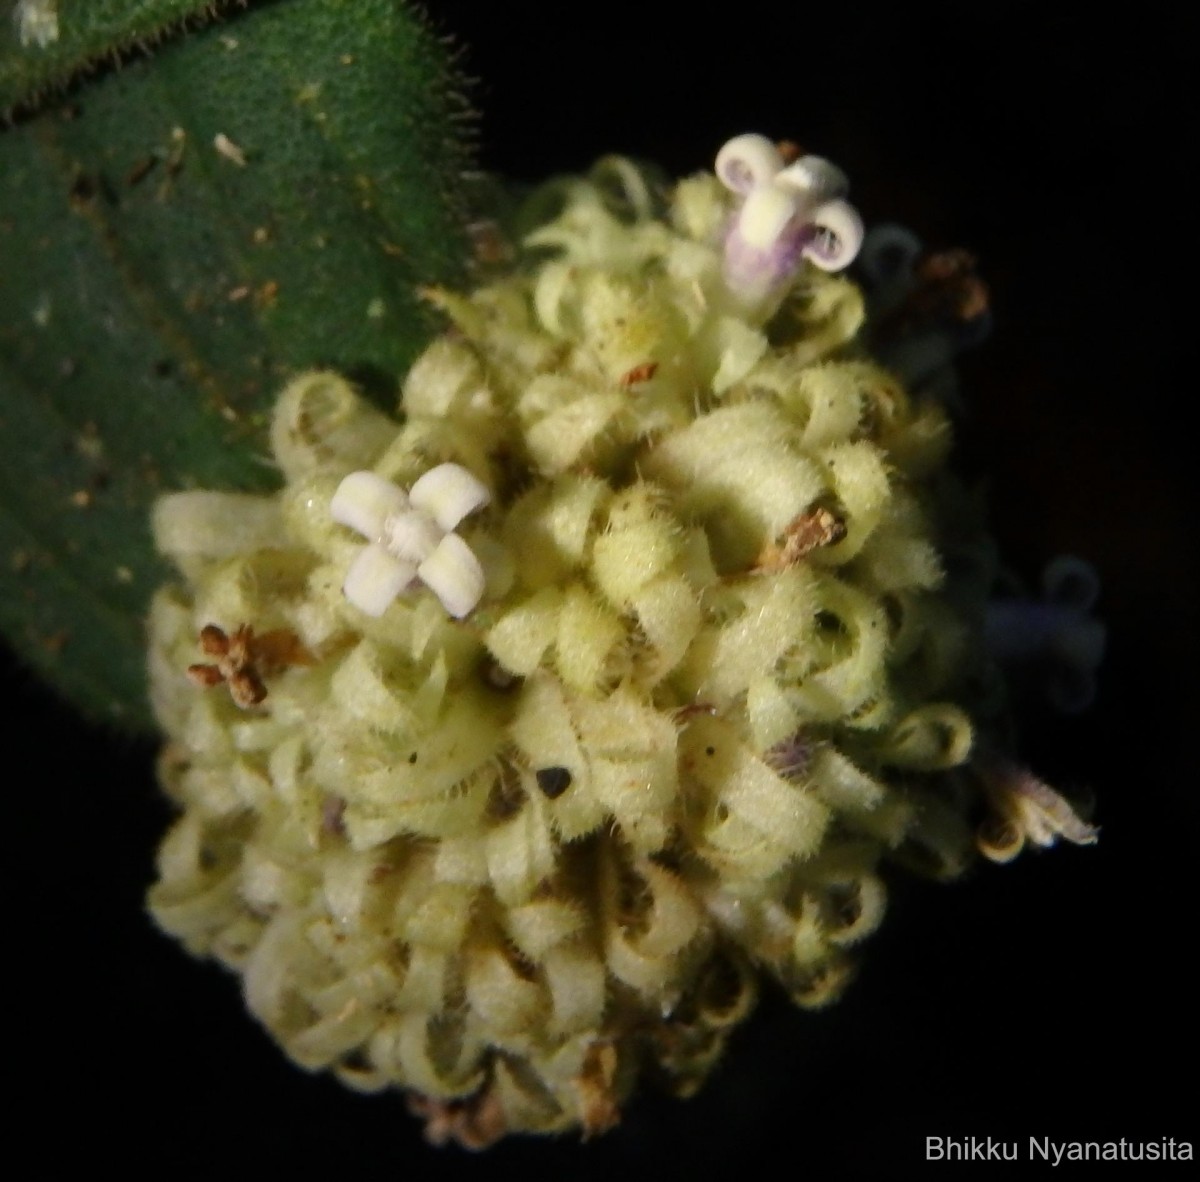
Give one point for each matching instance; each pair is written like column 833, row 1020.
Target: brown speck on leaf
column 149, row 471
column 56, row 641
column 140, row 171
column 267, row 294
column 82, row 498
column 174, row 162
column 18, row 561
column 473, row 1123
column 598, row 1107
column 88, row 442
column 84, row 190
column 804, row 533
column 639, row 373
column 239, row 293
column 261, row 234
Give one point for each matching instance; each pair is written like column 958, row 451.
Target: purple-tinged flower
column 1025, row 810
column 788, row 214
column 1057, row 632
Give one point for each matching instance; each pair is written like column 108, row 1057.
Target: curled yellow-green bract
column 509, row 862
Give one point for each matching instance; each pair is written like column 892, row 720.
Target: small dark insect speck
column 553, row 781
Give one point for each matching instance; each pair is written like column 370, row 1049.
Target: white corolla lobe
column 410, row 537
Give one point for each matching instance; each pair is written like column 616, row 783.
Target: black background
column 1052, row 997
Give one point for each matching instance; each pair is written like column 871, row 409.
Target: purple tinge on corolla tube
column 788, row 213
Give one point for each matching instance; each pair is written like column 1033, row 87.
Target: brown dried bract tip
column 951, row 274
column 789, row 151
column 1024, row 810
column 507, row 795
column 213, row 641
column 682, row 715
column 810, row 530
column 598, row 1107
column 489, row 246
column 948, row 291
column 639, row 373
column 243, row 660
column 474, row 1123
column 206, row 676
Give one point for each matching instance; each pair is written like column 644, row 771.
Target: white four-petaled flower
column 788, row 214
column 410, row 536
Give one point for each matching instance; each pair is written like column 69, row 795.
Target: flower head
column 722, row 677
column 410, row 537
column 788, row 214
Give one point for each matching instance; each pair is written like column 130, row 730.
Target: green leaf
column 78, row 35
column 156, row 291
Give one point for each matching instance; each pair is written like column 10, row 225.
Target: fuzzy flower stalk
column 544, row 722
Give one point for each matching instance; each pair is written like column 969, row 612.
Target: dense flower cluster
column 709, row 673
